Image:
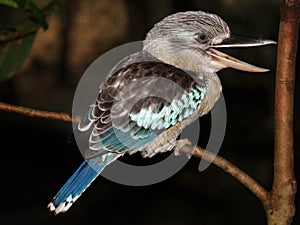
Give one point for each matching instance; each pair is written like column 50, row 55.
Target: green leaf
column 33, row 12
column 10, row 3
column 16, row 49
column 13, row 56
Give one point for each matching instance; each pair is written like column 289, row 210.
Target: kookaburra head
column 188, row 40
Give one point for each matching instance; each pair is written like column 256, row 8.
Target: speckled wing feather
column 137, row 101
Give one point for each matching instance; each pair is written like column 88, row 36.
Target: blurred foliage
column 13, row 56
column 10, row 3
column 16, row 41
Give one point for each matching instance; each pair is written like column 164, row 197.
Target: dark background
column 37, row 157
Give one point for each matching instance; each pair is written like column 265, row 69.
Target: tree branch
column 281, row 203
column 197, row 151
column 37, row 113
column 250, row 183
column 17, row 35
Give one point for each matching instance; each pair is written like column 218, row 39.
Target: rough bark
column 280, row 208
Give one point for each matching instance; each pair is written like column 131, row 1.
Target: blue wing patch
column 118, row 141
column 169, row 115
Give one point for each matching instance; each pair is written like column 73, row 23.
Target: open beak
column 234, row 42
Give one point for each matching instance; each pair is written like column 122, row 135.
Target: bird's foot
column 183, row 145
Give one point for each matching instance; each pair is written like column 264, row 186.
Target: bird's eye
column 202, row 38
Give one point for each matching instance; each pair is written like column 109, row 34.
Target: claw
column 180, row 144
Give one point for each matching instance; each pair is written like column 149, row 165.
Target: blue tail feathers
column 77, row 184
